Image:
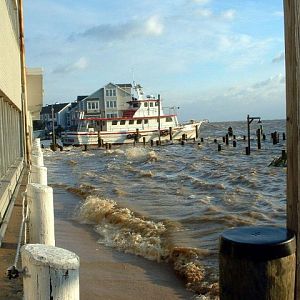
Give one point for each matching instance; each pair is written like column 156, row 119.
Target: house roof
column 79, row 98
column 124, row 85
column 57, row 108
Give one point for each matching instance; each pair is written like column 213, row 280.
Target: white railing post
column 38, row 175
column 49, row 273
column 37, row 159
column 41, row 214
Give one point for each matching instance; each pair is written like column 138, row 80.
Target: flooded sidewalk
column 106, row 273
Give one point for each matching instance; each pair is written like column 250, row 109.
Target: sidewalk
column 12, row 289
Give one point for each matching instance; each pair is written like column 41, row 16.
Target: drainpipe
column 26, row 139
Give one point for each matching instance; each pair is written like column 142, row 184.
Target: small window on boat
column 139, row 121
column 114, row 122
column 122, row 122
column 131, row 122
column 156, row 103
column 135, row 105
column 146, row 104
column 151, row 104
column 169, row 119
column 146, row 121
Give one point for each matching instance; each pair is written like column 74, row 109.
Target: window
column 156, row 103
column 146, row 104
column 110, row 93
column 131, row 122
column 114, row 122
column 169, row 119
column 111, row 116
column 146, row 121
column 151, row 104
column 122, row 122
column 93, row 105
column 139, row 121
column 135, row 105
column 111, row 104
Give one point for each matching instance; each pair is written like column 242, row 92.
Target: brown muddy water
column 170, row 204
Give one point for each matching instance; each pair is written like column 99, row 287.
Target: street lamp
column 249, row 121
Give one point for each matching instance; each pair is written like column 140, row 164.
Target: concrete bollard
column 39, row 175
column 41, row 214
column 257, row 263
column 51, row 273
column 36, row 143
column 37, row 160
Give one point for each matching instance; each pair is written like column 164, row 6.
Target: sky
column 214, row 59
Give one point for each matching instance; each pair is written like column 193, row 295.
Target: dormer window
column 110, row 93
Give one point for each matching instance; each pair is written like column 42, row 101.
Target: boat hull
column 190, row 130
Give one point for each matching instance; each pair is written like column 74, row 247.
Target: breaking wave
column 125, row 230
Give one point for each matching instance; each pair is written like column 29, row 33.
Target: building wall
column 35, row 91
column 10, row 67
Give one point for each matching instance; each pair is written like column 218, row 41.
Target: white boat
column 143, row 120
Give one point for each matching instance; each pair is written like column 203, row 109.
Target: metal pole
column 53, row 130
column 159, row 119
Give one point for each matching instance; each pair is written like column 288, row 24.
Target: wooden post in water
column 227, row 139
column 258, row 140
column 197, row 131
column 50, row 273
column 99, row 139
column 151, row 143
column 136, row 137
column 292, row 67
column 144, row 141
column 170, row 133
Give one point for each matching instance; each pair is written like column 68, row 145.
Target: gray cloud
column 153, row 26
column 80, row 64
column 278, row 58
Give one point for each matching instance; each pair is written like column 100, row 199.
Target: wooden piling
column 171, row 133
column 38, row 175
column 224, row 139
column 227, row 139
column 283, row 136
column 264, row 137
column 215, row 141
column 257, row 263
column 99, row 140
column 197, row 131
column 258, row 140
column 234, row 143
column 292, row 67
column 85, row 147
column 151, row 143
column 182, row 143
column 137, row 134
column 219, row 147
column 41, row 214
column 144, row 141
column 247, row 151
column 50, row 273
column 202, row 140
